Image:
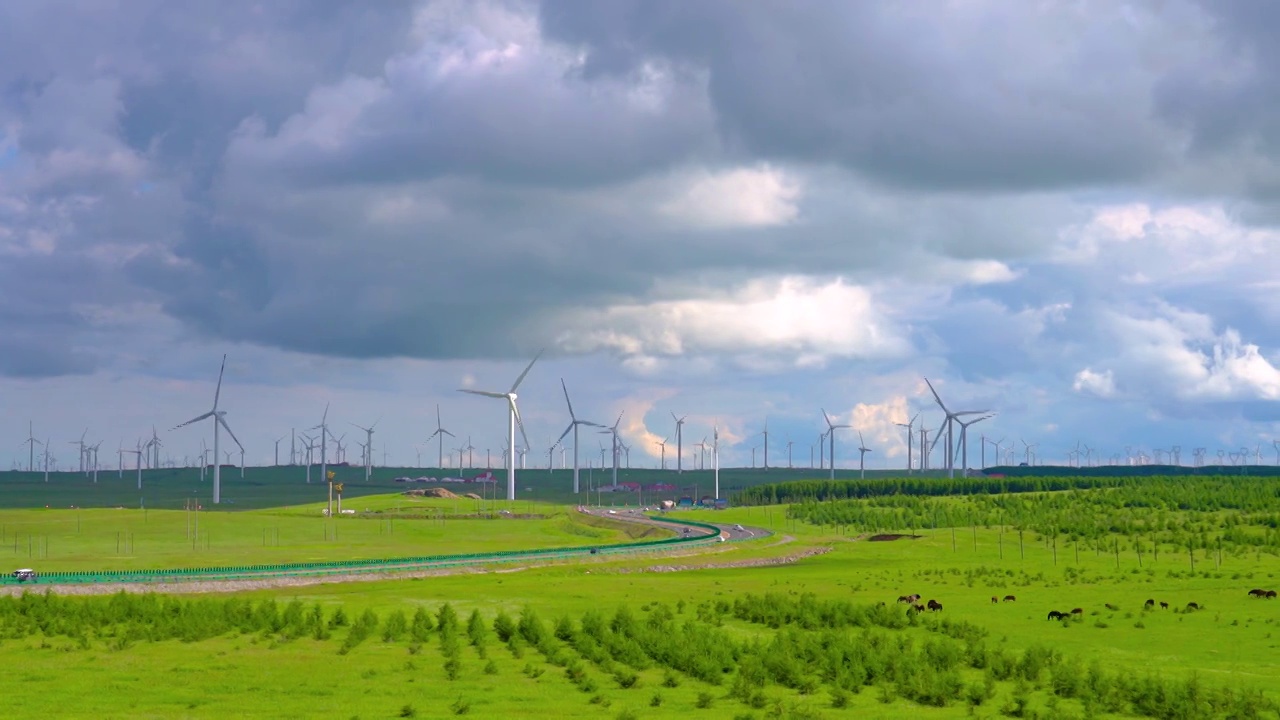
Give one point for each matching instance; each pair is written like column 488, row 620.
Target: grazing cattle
column 909, row 599
column 1077, row 611
column 1193, row 606
column 1164, row 605
column 1271, row 594
column 1112, row 608
column 1148, row 604
column 1055, row 615
column 935, row 606
column 1009, row 598
column 918, row 608
column 994, row 599
column 1258, row 593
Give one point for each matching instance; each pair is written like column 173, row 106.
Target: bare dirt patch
column 890, row 536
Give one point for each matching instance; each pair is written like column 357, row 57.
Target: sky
column 1063, row 212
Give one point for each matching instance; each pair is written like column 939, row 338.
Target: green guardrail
column 84, row 577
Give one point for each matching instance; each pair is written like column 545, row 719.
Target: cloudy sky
column 1067, row 212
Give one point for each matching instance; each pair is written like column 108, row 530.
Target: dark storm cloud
column 923, row 95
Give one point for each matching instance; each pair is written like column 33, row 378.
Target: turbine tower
column 831, row 435
column 574, row 422
column 323, row 427
column 368, row 447
column 439, row 436
column 679, row 442
column 862, row 455
column 950, row 419
column 910, row 426
column 963, row 450
column 765, row 433
column 614, row 432
column 32, row 442
column 219, row 420
column 513, row 419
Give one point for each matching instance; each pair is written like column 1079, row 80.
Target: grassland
column 974, row 659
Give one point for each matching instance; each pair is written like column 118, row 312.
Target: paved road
column 728, row 531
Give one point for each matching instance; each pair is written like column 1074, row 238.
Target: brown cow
column 1009, row 598
column 918, row 608
column 1193, row 606
column 1077, row 611
column 935, row 606
column 994, row 599
column 1112, row 608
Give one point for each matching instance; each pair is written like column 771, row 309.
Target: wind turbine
column 138, row 462
column 679, row 442
column 574, row 422
column 765, row 433
column 715, row 456
column 789, row 444
column 831, row 435
column 94, row 449
column 282, row 437
column 662, row 447
column 368, row 447
column 219, row 419
column 910, row 426
column 951, row 418
column 614, row 432
column 323, row 427
column 513, row 419
column 862, row 455
column 963, row 450
column 439, row 436
column 80, row 442
column 31, row 452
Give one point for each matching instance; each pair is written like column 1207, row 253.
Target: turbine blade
column 565, row 433
column 193, row 420
column 446, row 432
column 566, row 399
column 827, row 417
column 217, row 392
column 527, row 368
column 935, row 396
column 484, row 393
column 227, row 427
column 519, row 422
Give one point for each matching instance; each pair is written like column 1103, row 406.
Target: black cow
column 1055, row 615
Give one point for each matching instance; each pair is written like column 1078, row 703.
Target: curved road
column 688, row 533
column 728, row 531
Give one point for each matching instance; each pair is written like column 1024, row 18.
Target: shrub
column 704, row 700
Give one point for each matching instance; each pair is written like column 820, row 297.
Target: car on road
column 24, row 575
column 613, row 512
column 739, row 528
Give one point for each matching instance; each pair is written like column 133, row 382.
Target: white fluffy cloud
column 794, row 316
column 1101, row 384
column 739, row 198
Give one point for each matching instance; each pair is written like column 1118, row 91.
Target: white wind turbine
column 910, row 426
column 862, row 455
column 963, row 450
column 277, row 456
column 367, row 455
column 831, row 435
column 614, row 432
column 219, row 420
column 950, row 418
column 765, row 433
column 439, row 435
column 32, row 442
column 574, row 422
column 662, row 448
column 679, row 442
column 138, row 461
column 323, row 427
column 513, row 419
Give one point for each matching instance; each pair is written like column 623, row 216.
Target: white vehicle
column 739, row 528
column 613, row 512
column 25, row 575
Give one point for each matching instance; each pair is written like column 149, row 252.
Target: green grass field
column 1105, row 663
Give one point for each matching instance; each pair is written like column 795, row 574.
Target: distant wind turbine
column 219, row 420
column 574, row 422
column 439, row 436
column 831, row 436
column 513, row 419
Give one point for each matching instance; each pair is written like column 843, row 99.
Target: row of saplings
column 819, row 645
